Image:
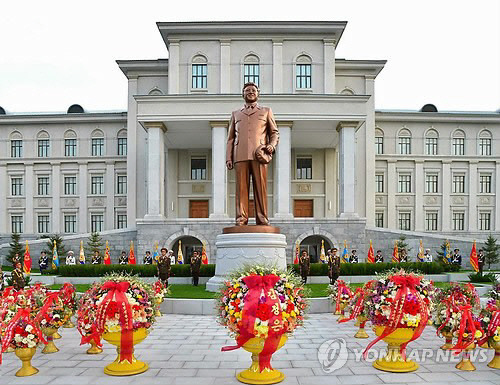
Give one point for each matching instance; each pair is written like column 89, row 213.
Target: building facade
column 341, row 168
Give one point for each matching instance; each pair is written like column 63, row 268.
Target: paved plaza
column 185, row 349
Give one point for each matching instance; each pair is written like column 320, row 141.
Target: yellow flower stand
column 94, row 349
column 448, row 340
column 342, row 306
column 25, row 355
column 465, row 363
column 361, row 333
column 495, row 362
column 253, row 375
column 393, row 361
column 50, row 347
column 124, row 367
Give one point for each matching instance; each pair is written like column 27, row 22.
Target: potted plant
column 356, row 309
column 51, row 316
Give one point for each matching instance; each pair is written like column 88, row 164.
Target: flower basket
column 261, row 306
column 341, row 295
column 161, row 291
column 490, row 322
column 356, row 310
column 68, row 296
column 398, row 306
column 52, row 315
column 86, row 320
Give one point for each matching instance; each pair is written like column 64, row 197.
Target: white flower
column 29, row 328
column 31, row 344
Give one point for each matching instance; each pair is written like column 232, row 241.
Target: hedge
column 318, row 269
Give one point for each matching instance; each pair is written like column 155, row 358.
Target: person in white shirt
column 172, row 257
column 70, row 258
column 427, row 255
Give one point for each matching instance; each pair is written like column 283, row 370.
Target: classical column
column 225, row 68
column 419, row 195
column 4, row 187
column 56, row 198
column 472, row 196
column 277, row 66
column 173, row 67
column 219, row 186
column 29, row 190
column 156, row 170
column 445, row 208
column 369, row 150
column 347, row 182
column 109, row 189
column 392, row 183
column 496, row 211
column 83, row 184
column 329, row 59
column 282, row 165
column 132, row 154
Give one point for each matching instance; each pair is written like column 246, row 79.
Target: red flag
column 473, row 257
column 395, row 253
column 107, row 255
column 27, row 260
column 204, row 258
column 371, row 255
column 297, row 246
column 131, row 255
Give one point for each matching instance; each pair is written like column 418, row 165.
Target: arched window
column 404, row 141
column 379, row 141
column 303, row 72
column 122, row 142
column 458, row 143
column 431, row 142
column 199, row 72
column 70, row 143
column 43, row 140
column 347, row 91
column 16, row 145
column 251, row 69
column 97, row 143
column 485, row 142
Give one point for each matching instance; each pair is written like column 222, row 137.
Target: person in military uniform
column 163, row 267
column 148, row 259
column 304, row 265
column 70, row 258
column 123, row 260
column 18, row 281
column 15, row 260
column 379, row 257
column 456, row 258
column 333, row 266
column 96, row 258
column 404, row 256
column 354, row 257
column 480, row 261
column 427, row 255
column 195, row 263
column 43, row 262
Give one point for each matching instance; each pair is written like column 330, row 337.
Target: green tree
column 61, row 250
column 442, row 253
column 15, row 248
column 94, row 243
column 491, row 251
column 402, row 244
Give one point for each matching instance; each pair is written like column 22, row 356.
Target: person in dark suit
column 195, row 263
column 163, row 266
column 379, row 257
column 304, row 265
column 18, row 281
column 354, row 257
column 253, row 137
column 456, row 258
column 333, row 266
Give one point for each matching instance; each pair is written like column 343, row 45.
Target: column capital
column 219, row 123
column 225, row 41
column 330, row 41
column 277, row 41
column 284, row 123
column 148, row 125
column 419, row 161
column 348, row 124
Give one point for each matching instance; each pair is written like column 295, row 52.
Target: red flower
column 263, row 311
column 289, row 308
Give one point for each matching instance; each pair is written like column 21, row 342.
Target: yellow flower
column 293, row 314
column 231, row 311
column 478, row 334
column 386, row 292
column 262, row 330
column 465, row 335
column 496, row 338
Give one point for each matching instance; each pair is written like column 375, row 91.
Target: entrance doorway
column 188, row 245
column 312, row 245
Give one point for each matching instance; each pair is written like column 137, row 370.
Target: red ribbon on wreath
column 358, row 306
column 116, row 292
column 452, row 305
column 407, row 285
column 256, row 285
column 340, row 288
column 492, row 326
column 465, row 319
column 49, row 300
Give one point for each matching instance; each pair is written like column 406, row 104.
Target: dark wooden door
column 303, row 208
column 198, row 209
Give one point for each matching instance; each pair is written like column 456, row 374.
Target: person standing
column 354, row 257
column 379, row 257
column 96, row 258
column 148, row 259
column 304, row 265
column 195, row 267
column 15, row 260
column 70, row 258
column 456, row 258
column 404, row 256
column 172, row 257
column 480, row 261
column 18, row 281
column 333, row 266
column 163, row 267
column 123, row 260
column 43, row 262
column 427, row 255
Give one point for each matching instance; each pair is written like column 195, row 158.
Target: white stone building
column 341, row 168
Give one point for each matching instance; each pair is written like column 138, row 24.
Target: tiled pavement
column 185, row 349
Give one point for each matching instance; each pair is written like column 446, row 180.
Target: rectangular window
column 16, row 223
column 458, row 221
column 97, row 185
column 431, row 221
column 484, row 221
column 199, row 76
column 485, row 184
column 379, row 183
column 458, row 146
column 96, row 222
column 303, row 76
column 43, row 148
column 404, row 220
column 70, row 223
column 431, row 183
column 251, row 73
column 69, row 147
column 431, row 146
column 304, row 168
column 122, row 146
column 43, row 224
column 404, row 145
column 43, row 185
column 379, row 145
column 97, row 146
column 121, row 184
column 485, row 146
column 198, row 168
column 404, row 185
column 70, row 185
column 16, row 186
column 16, row 148
column 121, row 221
column 379, row 219
column 459, row 184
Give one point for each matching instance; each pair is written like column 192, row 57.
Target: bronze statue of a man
column 253, row 137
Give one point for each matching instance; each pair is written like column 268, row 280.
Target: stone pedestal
column 239, row 249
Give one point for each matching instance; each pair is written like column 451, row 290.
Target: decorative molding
column 97, row 201
column 458, row 200
column 404, row 200
column 431, row 200
column 16, row 203
column 379, row 200
column 484, row 200
column 70, row 202
column 198, row 188
column 122, row 201
column 43, row 202
column 304, row 188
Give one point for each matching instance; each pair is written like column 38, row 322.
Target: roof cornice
column 438, row 117
column 132, row 68
column 87, row 117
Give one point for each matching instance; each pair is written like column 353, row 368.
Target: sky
column 56, row 53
